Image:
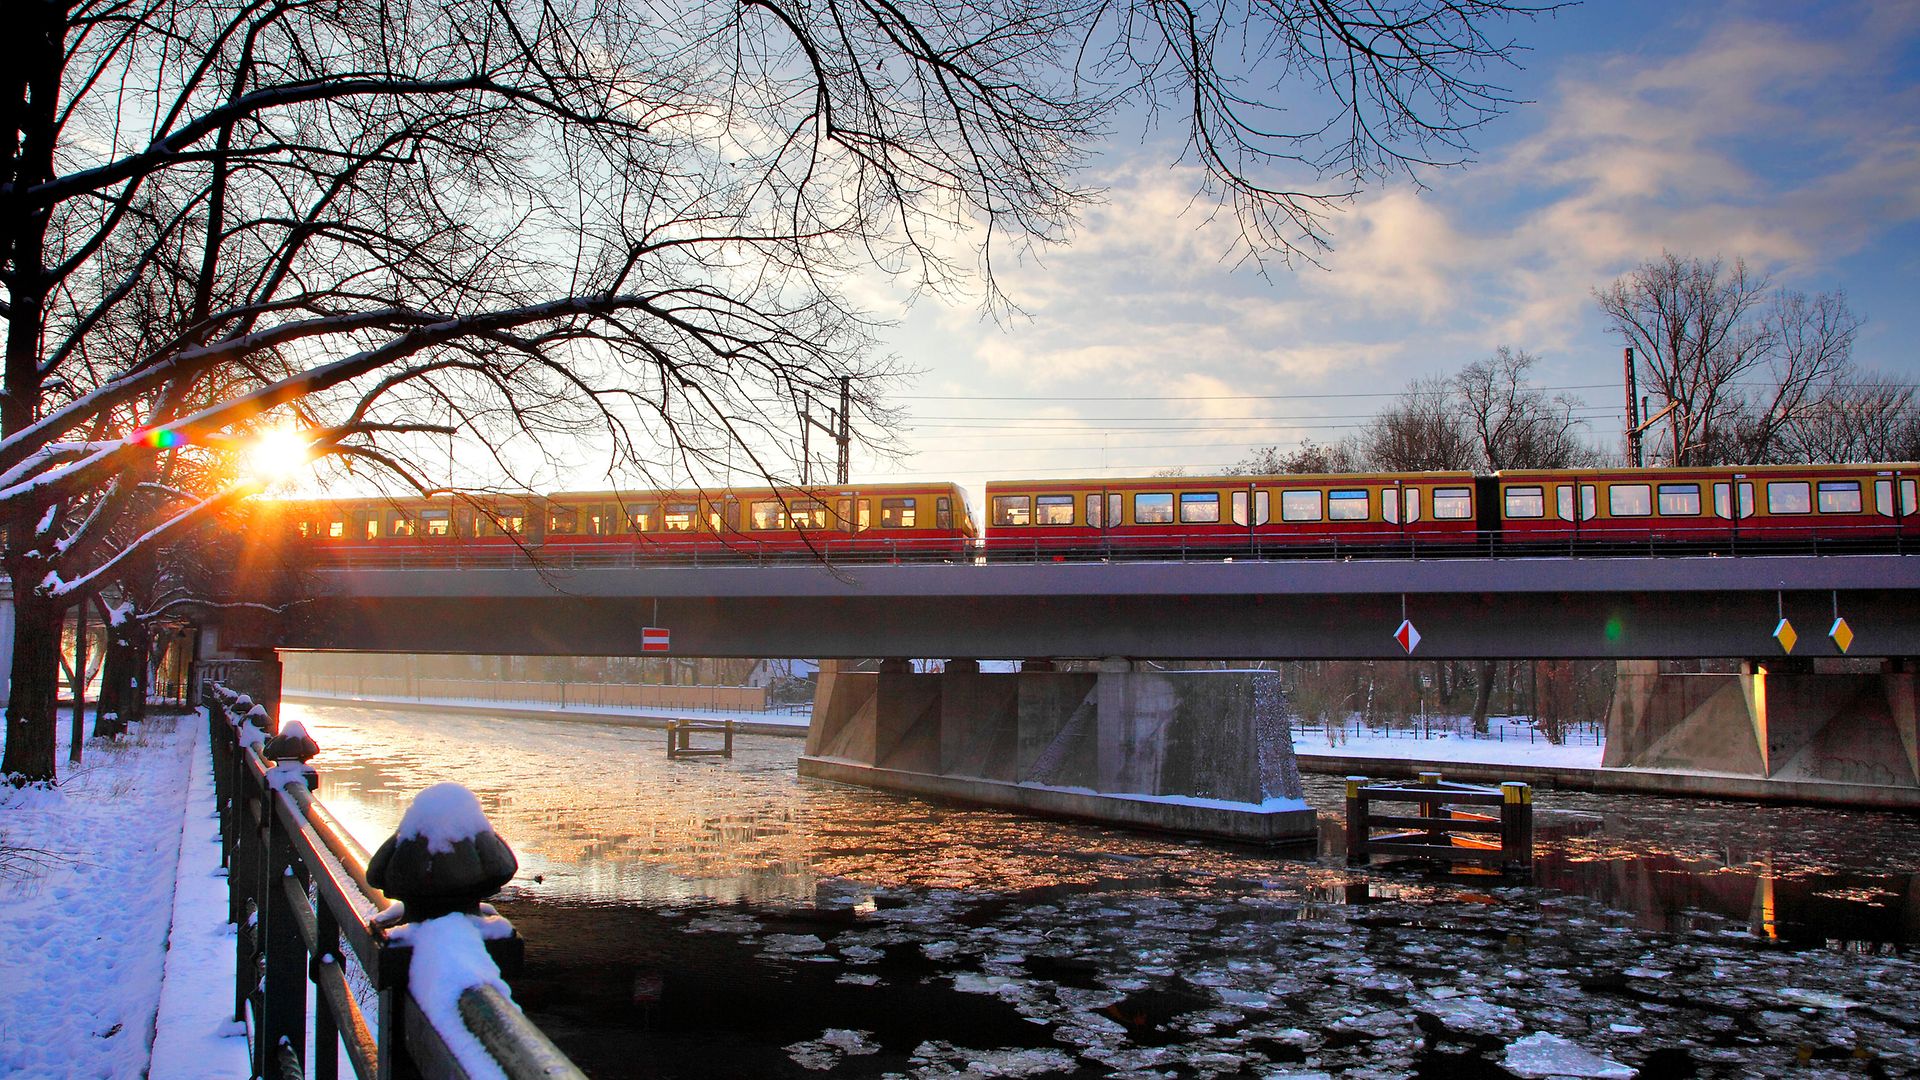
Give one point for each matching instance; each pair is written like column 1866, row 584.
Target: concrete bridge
column 1125, row 743
column 1621, row 608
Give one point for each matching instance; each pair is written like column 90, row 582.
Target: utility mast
column 839, row 425
column 1634, row 427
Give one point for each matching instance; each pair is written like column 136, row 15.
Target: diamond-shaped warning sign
column 1785, row 635
column 1407, row 636
column 1841, row 633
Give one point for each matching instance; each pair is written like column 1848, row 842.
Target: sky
column 1786, row 134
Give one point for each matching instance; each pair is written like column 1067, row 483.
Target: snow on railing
column 426, row 952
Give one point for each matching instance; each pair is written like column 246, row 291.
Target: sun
column 276, row 455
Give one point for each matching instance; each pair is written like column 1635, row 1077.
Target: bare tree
column 1862, row 419
column 1513, row 425
column 1703, row 332
column 1423, row 430
column 534, row 223
column 1308, row 457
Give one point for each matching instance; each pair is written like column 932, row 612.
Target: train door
column 1489, row 509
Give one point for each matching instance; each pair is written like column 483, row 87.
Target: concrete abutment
column 1205, row 752
column 1772, row 719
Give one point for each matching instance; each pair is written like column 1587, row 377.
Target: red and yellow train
column 1512, row 510
column 1755, row 507
column 909, row 521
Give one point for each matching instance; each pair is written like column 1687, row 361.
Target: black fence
column 307, row 915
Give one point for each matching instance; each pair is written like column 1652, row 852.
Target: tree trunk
column 123, row 682
column 32, row 705
column 1483, row 695
column 79, row 674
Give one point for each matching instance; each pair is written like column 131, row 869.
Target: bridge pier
column 1777, row 719
column 1207, row 752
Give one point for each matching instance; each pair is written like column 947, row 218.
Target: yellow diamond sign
column 1841, row 633
column 1785, row 635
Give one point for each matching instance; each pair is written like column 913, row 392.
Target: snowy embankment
column 90, row 920
column 793, row 722
column 1474, row 751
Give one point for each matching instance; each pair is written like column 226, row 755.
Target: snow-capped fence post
column 307, row 898
column 283, row 978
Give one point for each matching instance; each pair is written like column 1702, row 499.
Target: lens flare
column 277, row 454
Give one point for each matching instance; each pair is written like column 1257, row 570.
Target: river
column 724, row 918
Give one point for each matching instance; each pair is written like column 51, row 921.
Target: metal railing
column 297, row 893
column 1662, row 542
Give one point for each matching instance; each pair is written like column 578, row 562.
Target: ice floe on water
column 833, row 1046
column 1547, row 1055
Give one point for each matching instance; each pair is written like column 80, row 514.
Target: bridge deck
column 1486, row 607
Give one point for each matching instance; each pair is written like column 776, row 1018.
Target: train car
column 877, row 521
column 1693, row 508
column 1228, row 515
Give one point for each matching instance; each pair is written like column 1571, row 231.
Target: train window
column 1349, row 505
column 1100, row 520
column 679, row 517
column 1679, row 500
column 943, row 511
column 1527, row 502
column 1789, row 497
column 1393, row 501
column 1013, row 510
column 865, row 513
column 1053, row 510
column 1300, row 506
column 303, row 528
column 644, row 517
column 1451, row 504
column 1199, row 507
column 1153, row 508
column 436, row 522
column 1839, row 496
column 563, row 522
column 767, row 514
column 1629, row 500
column 1589, row 501
column 336, row 529
column 512, row 522
column 1563, row 501
column 1883, row 497
column 1260, row 508
column 401, row 525
column 897, row 513
column 1720, row 500
column 370, row 525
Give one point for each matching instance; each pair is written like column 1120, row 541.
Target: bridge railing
column 306, row 913
column 1665, row 540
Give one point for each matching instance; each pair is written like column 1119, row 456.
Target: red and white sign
column 1407, row 636
column 654, row 638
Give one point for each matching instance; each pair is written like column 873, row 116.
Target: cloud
column 1736, row 131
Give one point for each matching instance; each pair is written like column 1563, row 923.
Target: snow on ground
column 196, row 1034
column 88, row 907
column 1478, row 751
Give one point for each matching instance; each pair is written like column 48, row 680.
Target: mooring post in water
column 1356, row 820
column 1430, row 807
column 1516, row 828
